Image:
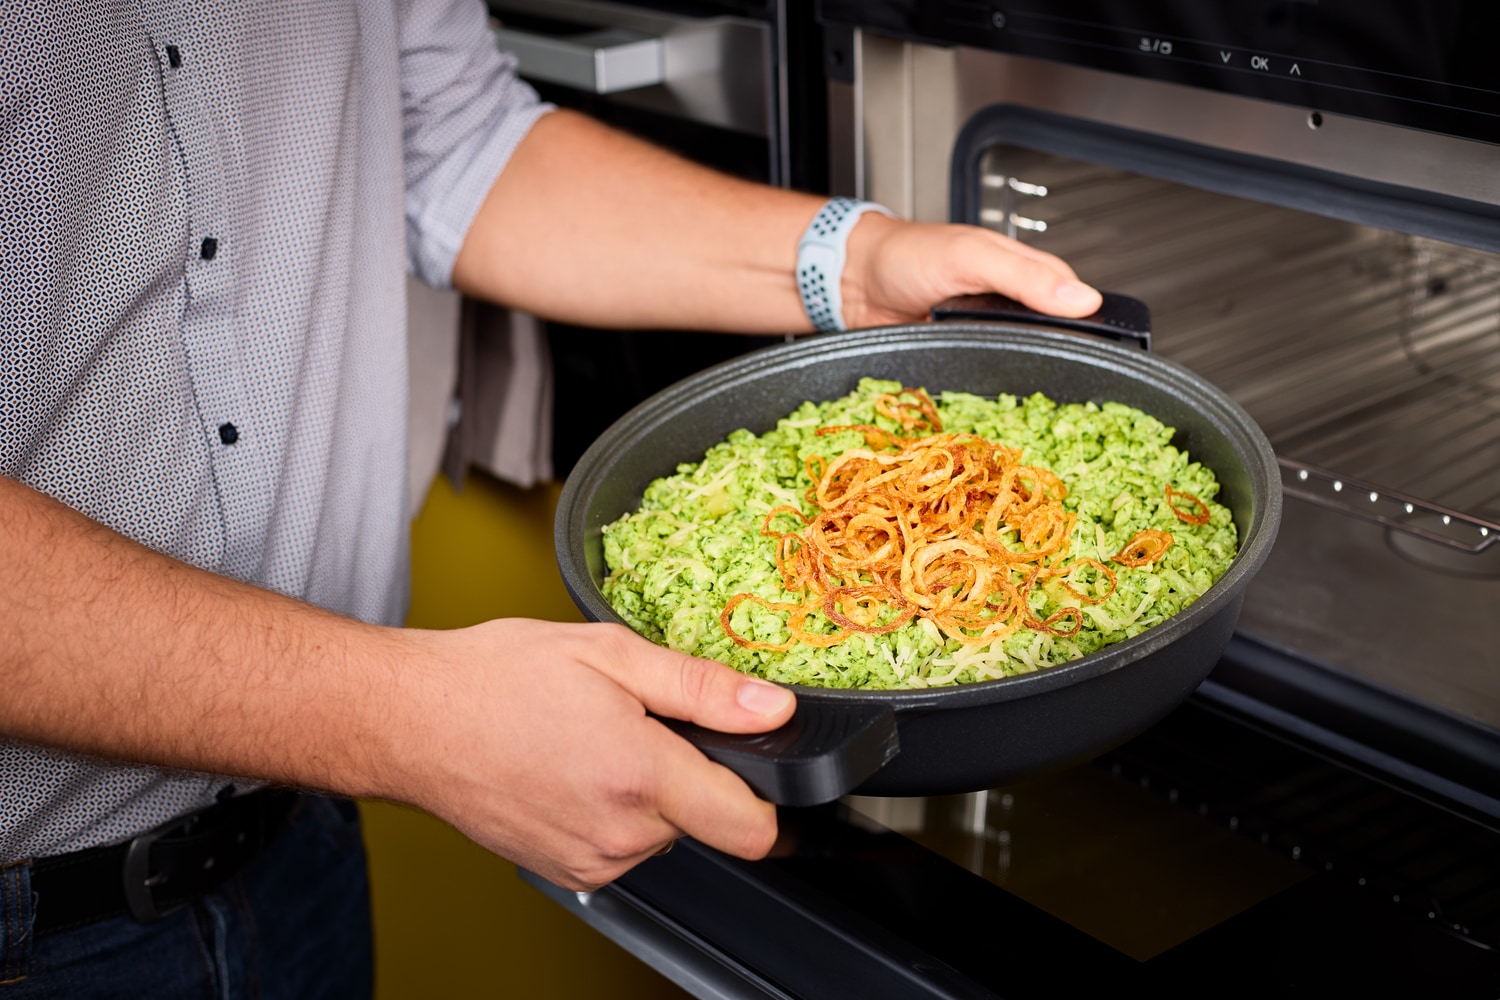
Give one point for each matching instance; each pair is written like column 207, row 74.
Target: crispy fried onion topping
column 917, row 415
column 1144, row 548
column 1199, row 516
column 951, row 528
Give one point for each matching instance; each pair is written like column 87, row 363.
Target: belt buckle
column 139, row 881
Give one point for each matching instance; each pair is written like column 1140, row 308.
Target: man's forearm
column 109, row 648
column 532, row 737
column 591, row 226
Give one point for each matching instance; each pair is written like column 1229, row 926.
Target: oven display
column 1429, row 66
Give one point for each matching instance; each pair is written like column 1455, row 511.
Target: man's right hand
column 529, row 736
column 533, row 739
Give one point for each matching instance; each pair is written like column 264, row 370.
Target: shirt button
column 228, row 433
column 174, row 57
column 209, row 248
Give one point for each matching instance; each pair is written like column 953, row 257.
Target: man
column 205, row 211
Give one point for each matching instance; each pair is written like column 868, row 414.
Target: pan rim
column 1227, row 416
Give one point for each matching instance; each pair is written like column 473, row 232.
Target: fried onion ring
column 736, row 601
column 1108, row 573
column 1200, row 516
column 1144, row 548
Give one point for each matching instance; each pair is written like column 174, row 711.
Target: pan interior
column 682, row 422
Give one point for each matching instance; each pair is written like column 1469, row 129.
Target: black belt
column 161, row 870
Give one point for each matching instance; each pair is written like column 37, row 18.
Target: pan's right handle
column 1119, row 317
column 823, row 752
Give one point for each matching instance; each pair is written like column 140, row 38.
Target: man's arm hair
column 112, row 649
column 531, row 737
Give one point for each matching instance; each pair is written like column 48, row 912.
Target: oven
column 1307, row 194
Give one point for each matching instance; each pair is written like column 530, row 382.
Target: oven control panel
column 1433, row 65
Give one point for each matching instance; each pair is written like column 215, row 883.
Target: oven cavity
column 1370, row 357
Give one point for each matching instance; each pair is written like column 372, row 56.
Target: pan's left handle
column 1119, row 317
column 824, row 752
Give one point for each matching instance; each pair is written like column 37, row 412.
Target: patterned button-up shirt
column 206, row 210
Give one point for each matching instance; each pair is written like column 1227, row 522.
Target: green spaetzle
column 696, row 540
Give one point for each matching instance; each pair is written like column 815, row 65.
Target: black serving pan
column 971, row 736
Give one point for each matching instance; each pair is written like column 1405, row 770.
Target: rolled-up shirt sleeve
column 464, row 111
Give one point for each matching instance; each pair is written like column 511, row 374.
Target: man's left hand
column 896, row 272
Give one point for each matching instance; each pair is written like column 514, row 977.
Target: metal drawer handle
column 603, row 61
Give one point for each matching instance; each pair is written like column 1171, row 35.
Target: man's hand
column 897, row 271
column 533, row 739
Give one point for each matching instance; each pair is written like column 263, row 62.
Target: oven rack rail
column 1393, row 509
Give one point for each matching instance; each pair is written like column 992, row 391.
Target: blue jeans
column 294, row 923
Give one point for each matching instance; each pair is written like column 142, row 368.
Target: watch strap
column 821, row 254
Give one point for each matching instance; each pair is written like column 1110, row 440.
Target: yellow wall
column 451, row 919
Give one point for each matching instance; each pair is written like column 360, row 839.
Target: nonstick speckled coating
column 977, row 735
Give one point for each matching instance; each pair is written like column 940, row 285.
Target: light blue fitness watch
column 820, row 259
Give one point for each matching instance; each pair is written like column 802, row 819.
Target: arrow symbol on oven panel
column 1225, row 55
column 1294, row 71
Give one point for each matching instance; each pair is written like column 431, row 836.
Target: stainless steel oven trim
column 664, row 944
column 715, row 70
column 912, row 100
column 606, row 61
column 780, row 115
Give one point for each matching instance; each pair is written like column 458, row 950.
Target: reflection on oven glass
column 1098, row 853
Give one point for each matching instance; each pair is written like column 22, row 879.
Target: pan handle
column 1119, row 317
column 823, row 752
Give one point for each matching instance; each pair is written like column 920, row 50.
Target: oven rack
column 1371, row 359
